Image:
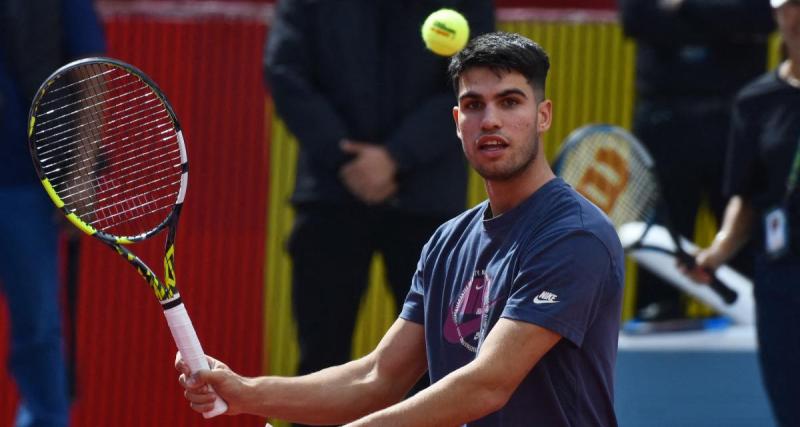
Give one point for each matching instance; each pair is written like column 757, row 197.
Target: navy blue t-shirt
column 555, row 261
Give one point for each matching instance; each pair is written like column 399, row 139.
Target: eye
column 509, row 102
column 473, row 105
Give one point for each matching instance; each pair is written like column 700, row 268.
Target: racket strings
column 80, row 84
column 77, row 111
column 63, row 179
column 100, row 165
column 87, row 124
column 110, row 149
column 614, row 174
column 140, row 206
column 92, row 198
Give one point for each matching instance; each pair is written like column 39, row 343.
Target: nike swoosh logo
column 538, row 300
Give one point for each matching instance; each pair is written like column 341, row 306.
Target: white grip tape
column 191, row 352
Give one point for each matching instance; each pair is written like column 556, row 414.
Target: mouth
column 489, row 143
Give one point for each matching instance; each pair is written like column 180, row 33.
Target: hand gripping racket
column 612, row 169
column 109, row 151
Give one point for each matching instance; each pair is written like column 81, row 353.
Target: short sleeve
column 414, row 307
column 741, row 157
column 561, row 287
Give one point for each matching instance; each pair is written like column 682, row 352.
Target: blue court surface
column 686, row 379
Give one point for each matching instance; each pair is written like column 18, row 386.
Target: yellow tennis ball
column 445, row 32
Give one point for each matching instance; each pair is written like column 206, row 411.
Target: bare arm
column 477, row 389
column 332, row 396
column 737, row 224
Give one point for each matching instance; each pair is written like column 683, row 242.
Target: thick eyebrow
column 503, row 94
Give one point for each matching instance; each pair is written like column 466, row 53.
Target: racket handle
column 191, row 352
column 727, row 294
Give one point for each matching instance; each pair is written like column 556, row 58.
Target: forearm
column 332, row 396
column 735, row 231
column 346, row 392
column 477, row 389
column 462, row 396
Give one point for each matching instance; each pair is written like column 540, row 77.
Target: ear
column 545, row 115
column 455, row 119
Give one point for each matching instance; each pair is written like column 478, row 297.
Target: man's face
column 788, row 17
column 499, row 121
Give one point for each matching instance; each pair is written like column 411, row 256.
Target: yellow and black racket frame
column 166, row 290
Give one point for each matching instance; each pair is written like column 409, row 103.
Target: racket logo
column 605, row 180
column 169, row 268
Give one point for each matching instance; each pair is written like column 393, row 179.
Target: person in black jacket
column 380, row 166
column 692, row 58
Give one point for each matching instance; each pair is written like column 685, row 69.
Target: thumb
column 209, row 377
column 350, row 147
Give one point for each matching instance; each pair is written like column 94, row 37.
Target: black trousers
column 331, row 249
column 777, row 296
column 687, row 138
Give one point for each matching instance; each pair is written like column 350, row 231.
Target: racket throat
column 171, row 303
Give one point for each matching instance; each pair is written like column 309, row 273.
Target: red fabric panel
column 559, row 4
column 556, row 4
column 8, row 395
column 210, row 70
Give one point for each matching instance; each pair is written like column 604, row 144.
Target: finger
column 202, row 407
column 184, row 381
column 192, row 382
column 202, row 395
column 179, row 364
column 700, row 276
column 215, row 364
column 350, row 147
column 347, row 171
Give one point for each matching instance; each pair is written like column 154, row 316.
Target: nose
column 490, row 119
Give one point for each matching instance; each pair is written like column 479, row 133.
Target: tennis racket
column 109, row 151
column 609, row 166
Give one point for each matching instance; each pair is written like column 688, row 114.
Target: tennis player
column 514, row 309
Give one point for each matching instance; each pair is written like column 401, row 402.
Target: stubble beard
column 514, row 166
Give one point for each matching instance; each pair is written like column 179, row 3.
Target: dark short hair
column 501, row 51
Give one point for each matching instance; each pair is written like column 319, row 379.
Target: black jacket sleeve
column 288, row 61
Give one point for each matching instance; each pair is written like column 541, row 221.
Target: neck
column 790, row 72
column 507, row 194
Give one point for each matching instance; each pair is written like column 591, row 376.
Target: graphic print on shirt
column 466, row 319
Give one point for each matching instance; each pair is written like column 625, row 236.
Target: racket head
column 608, row 166
column 109, row 150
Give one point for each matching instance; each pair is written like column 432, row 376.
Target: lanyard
column 791, row 182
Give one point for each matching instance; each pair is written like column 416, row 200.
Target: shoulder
column 453, row 229
column 570, row 214
column 759, row 90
